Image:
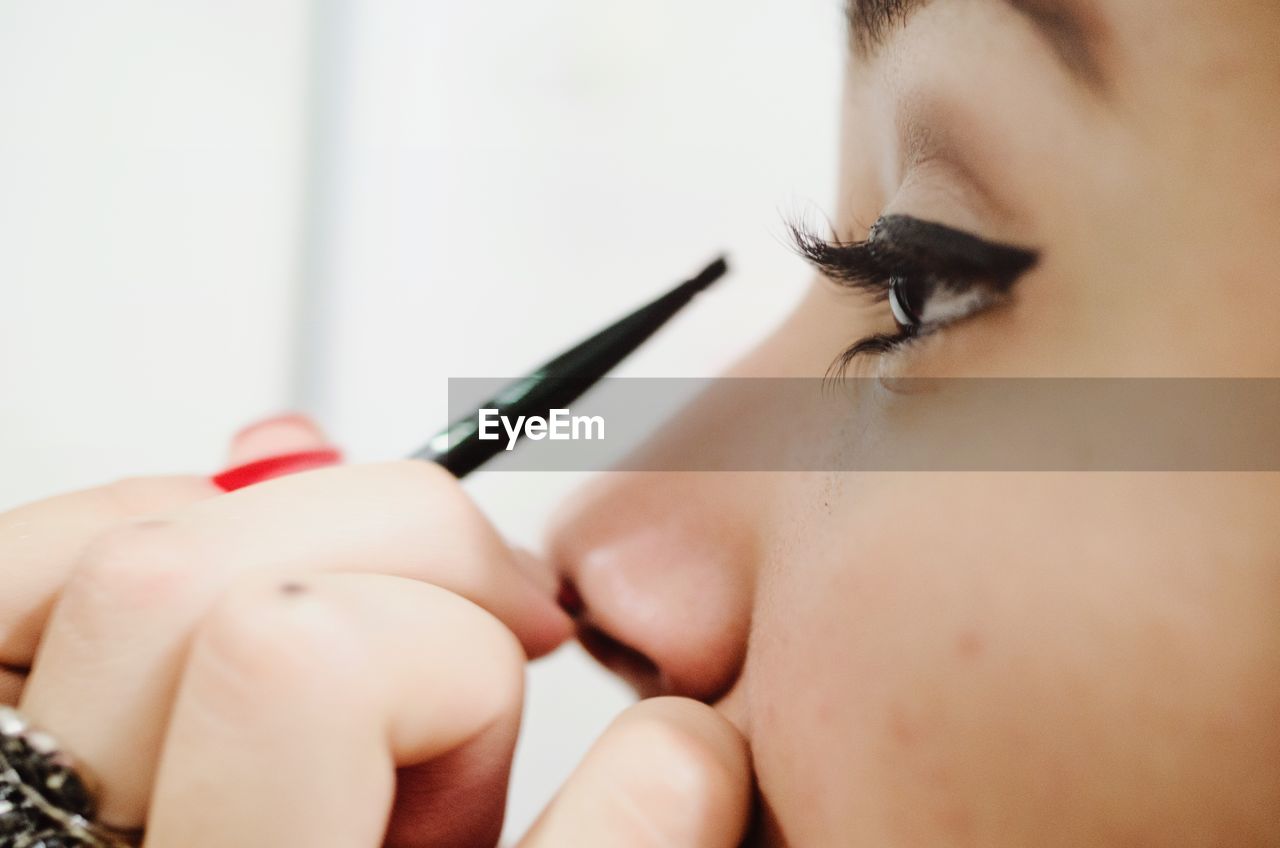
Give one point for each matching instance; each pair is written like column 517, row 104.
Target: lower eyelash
column 945, row 307
column 855, row 265
column 969, row 273
column 877, row 345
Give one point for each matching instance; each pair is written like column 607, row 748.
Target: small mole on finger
column 292, row 588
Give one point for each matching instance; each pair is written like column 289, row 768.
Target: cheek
column 1045, row 653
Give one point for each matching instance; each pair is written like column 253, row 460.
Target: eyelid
column 900, row 245
column 949, row 159
column 971, row 272
column 948, row 253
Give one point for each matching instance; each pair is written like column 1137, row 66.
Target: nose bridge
column 665, row 565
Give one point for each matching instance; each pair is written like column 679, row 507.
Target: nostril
column 570, row 599
column 672, row 594
column 637, row 670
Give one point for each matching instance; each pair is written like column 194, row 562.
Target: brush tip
column 708, row 275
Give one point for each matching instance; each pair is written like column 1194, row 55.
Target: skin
column 231, row 668
column 1016, row 659
column 893, row 659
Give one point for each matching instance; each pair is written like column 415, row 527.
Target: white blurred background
column 212, row 211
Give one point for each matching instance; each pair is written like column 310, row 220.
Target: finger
column 11, row 682
column 41, row 541
column 302, row 699
column 122, row 628
column 281, row 434
column 669, row 771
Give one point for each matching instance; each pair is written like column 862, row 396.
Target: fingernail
column 274, row 466
column 295, row 418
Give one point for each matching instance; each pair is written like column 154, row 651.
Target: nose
column 663, row 564
column 666, row 563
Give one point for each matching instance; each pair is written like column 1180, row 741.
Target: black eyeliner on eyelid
column 903, row 248
column 913, row 246
column 900, row 245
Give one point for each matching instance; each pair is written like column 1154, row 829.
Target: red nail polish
column 275, row 466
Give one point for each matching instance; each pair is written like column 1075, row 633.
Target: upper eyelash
column 854, row 263
column 859, row 265
column 899, row 245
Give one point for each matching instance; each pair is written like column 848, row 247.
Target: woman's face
column 983, row 658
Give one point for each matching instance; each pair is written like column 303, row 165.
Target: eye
column 907, row 300
column 931, row 275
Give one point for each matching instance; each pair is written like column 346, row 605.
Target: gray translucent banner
column 898, row 425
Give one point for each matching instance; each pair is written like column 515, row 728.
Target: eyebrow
column 1072, row 29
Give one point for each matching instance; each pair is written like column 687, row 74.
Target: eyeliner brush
column 562, row 380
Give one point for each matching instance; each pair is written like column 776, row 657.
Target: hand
column 332, row 659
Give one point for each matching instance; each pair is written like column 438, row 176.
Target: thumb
column 668, row 771
column 276, row 436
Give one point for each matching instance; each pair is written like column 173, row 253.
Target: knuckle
column 426, row 473
column 465, row 533
column 139, row 563
column 129, row 496
column 427, row 478
column 259, row 639
column 495, row 684
column 430, row 481
column 504, row 664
